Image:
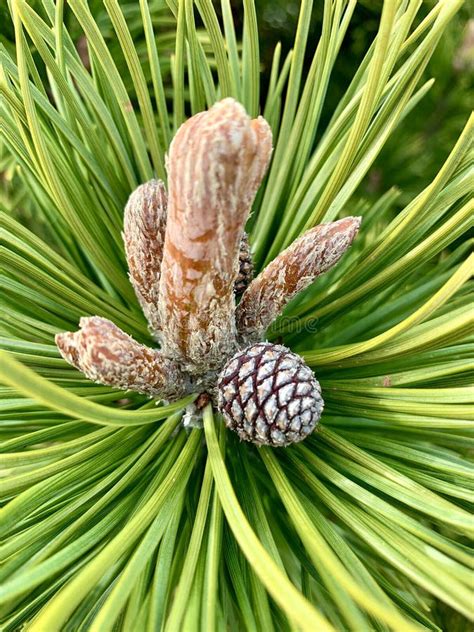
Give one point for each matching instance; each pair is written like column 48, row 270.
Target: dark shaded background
column 415, row 152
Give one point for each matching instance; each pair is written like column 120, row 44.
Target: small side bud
column 107, row 355
column 144, row 235
column 315, row 252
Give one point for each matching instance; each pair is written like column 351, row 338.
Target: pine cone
column 269, row 396
column 245, row 266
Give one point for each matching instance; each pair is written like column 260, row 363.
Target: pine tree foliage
column 114, row 516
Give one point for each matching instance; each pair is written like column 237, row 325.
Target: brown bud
column 292, row 271
column 215, row 165
column 245, row 274
column 144, row 235
column 107, row 355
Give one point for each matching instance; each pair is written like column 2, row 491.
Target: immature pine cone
column 245, row 266
column 269, row 396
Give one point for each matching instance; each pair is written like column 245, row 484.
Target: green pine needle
column 116, row 518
